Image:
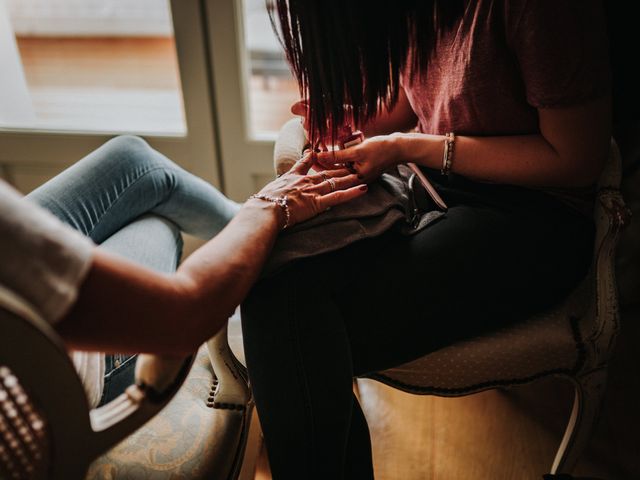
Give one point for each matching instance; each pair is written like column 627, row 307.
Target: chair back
column 47, row 429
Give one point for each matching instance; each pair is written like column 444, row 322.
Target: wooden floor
column 127, row 85
column 503, row 435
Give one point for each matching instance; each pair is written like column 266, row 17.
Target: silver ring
column 332, row 184
column 324, row 176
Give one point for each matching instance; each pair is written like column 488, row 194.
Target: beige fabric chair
column 46, row 427
column 575, row 340
column 48, row 431
column 203, row 431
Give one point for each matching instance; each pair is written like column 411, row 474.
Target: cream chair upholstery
column 203, row 431
column 46, row 427
column 575, row 340
column 48, row 431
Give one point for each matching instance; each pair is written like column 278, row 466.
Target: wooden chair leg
column 589, row 391
column 252, row 449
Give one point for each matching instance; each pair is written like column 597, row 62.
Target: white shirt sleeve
column 43, row 260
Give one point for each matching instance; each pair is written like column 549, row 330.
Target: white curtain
column 91, row 17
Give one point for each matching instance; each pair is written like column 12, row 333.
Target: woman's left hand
column 368, row 159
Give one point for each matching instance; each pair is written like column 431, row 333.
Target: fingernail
column 364, row 188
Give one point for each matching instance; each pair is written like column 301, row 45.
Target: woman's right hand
column 309, row 195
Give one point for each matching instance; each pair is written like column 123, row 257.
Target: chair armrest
column 52, row 383
column 158, row 379
column 611, row 212
column 232, row 388
column 611, row 217
column 289, row 145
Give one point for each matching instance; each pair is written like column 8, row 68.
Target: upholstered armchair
column 203, row 431
column 46, row 427
column 199, row 420
column 574, row 340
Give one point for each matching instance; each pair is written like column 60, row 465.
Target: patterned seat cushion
column 549, row 343
column 188, row 439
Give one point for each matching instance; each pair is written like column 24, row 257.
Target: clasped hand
column 308, row 195
column 367, row 160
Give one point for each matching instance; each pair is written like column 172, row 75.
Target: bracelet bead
column 447, row 156
column 282, row 202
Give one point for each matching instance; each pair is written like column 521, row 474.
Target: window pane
column 272, row 89
column 90, row 65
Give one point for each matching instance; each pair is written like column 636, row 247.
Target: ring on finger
column 332, row 184
column 324, row 176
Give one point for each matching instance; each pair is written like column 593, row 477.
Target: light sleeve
column 43, row 260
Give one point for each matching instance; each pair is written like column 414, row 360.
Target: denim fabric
column 134, row 201
column 119, row 374
column 126, row 178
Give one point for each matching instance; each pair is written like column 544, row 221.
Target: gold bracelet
column 280, row 201
column 447, row 156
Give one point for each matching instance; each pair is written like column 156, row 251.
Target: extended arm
column 126, row 307
column 123, row 306
column 569, row 151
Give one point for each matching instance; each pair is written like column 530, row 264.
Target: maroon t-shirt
column 504, row 59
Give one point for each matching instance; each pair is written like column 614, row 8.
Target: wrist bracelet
column 447, row 156
column 280, row 201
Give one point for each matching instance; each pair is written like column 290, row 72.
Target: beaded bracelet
column 280, row 201
column 447, row 156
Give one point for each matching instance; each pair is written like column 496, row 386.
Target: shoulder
column 561, row 49
column 524, row 17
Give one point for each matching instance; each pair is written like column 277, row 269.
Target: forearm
column 219, row 275
column 569, row 151
column 526, row 160
column 125, row 307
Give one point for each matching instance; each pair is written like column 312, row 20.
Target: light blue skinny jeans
column 133, row 201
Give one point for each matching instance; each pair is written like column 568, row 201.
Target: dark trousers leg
column 385, row 301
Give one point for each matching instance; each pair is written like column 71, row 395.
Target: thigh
column 90, row 195
column 126, row 178
column 150, row 240
column 154, row 242
column 479, row 268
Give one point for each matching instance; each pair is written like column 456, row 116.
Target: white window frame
column 24, row 149
column 246, row 159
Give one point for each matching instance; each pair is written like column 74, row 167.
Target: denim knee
column 135, row 153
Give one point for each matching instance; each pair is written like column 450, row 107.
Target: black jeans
column 500, row 254
column 120, row 369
